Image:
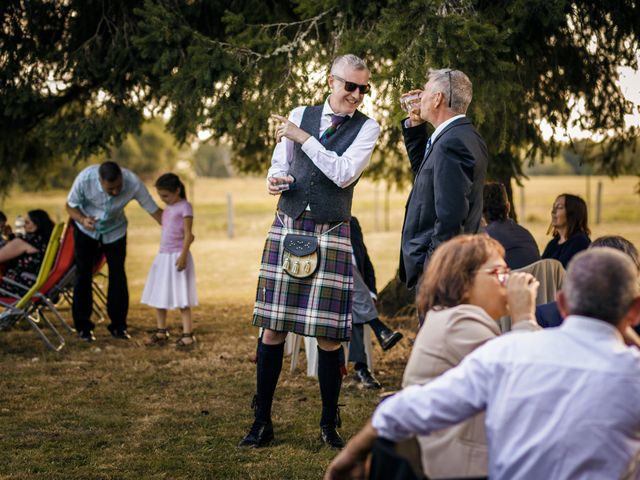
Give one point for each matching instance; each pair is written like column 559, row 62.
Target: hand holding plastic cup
column 410, row 101
column 280, row 183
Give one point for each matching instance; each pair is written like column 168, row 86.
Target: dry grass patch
column 119, row 410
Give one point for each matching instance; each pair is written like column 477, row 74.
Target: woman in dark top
column 22, row 257
column 569, row 227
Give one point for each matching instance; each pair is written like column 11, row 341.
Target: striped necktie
column 336, row 121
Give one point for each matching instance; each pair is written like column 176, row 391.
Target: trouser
column 87, row 252
column 363, row 311
column 357, row 352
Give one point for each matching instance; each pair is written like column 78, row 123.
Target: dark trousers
column 357, row 352
column 87, row 252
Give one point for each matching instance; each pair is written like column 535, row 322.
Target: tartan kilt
column 316, row 306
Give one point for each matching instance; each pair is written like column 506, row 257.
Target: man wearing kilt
column 321, row 153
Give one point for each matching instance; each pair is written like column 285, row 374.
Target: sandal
column 180, row 343
column 158, row 337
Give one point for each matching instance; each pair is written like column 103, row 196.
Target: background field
column 227, row 268
column 115, row 410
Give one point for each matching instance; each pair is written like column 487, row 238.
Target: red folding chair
column 22, row 306
column 60, row 278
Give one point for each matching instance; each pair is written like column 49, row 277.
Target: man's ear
column 330, row 81
column 561, row 300
column 633, row 315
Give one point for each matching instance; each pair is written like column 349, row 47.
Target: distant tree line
column 151, row 152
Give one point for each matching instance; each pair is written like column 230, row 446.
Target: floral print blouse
column 24, row 269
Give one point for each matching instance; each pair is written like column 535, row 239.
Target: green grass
column 118, row 410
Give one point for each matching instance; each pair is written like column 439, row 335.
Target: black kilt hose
column 316, row 306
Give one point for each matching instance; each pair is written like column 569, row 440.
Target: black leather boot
column 330, row 437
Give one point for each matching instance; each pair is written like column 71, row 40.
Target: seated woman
column 467, row 287
column 22, row 256
column 569, row 227
column 520, row 247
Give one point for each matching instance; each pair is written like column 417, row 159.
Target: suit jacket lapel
column 462, row 121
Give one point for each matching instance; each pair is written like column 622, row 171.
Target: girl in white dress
column 172, row 281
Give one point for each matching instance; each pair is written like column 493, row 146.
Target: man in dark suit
column 449, row 168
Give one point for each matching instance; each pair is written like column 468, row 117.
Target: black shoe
column 366, row 378
column 259, row 435
column 330, row 437
column 388, row 339
column 120, row 333
column 87, row 335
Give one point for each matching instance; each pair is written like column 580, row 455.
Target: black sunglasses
column 350, row 86
column 449, row 73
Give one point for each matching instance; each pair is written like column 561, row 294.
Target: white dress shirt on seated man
column 563, row 403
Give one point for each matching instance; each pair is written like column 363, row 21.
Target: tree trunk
column 396, row 299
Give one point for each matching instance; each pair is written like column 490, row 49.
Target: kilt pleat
column 317, row 306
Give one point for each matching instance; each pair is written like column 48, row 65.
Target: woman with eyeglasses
column 569, row 228
column 22, row 257
column 466, row 288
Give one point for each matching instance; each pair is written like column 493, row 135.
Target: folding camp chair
column 60, row 278
column 99, row 295
column 64, row 288
column 20, row 307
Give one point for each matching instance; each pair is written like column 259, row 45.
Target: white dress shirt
column 444, row 125
column 343, row 169
column 562, row 403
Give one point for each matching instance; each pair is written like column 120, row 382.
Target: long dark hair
column 577, row 216
column 171, row 182
column 42, row 221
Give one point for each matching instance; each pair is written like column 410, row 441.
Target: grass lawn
column 118, row 410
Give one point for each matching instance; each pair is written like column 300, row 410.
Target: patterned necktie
column 336, row 121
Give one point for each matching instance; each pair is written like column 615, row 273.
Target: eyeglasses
column 350, row 86
column 501, row 273
column 450, row 91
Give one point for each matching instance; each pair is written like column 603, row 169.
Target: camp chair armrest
column 7, row 293
column 16, row 284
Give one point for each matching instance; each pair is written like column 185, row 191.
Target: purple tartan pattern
column 318, row 306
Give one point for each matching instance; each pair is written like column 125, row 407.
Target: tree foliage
column 78, row 76
column 148, row 153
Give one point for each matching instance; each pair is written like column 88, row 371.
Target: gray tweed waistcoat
column 328, row 202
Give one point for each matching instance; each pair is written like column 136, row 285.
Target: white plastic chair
column 293, row 344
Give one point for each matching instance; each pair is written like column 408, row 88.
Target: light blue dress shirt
column 562, row 403
column 87, row 195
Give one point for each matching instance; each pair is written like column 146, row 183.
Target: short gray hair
column 601, row 283
column 348, row 60
column 619, row 243
column 461, row 88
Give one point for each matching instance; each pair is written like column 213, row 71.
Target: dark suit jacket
column 446, row 199
column 363, row 262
